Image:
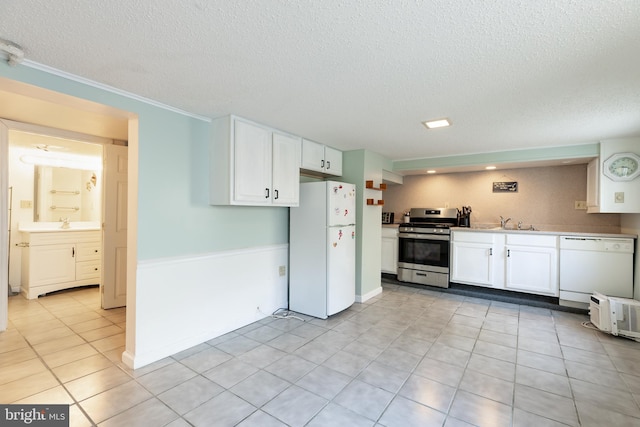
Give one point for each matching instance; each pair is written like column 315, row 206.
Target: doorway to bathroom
column 66, row 184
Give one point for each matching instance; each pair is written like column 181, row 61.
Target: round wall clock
column 622, row 166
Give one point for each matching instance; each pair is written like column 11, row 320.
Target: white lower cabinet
column 514, row 262
column 389, row 262
column 59, row 260
column 473, row 258
column 532, row 264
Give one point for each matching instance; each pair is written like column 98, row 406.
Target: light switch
column 619, row 197
column 26, row 204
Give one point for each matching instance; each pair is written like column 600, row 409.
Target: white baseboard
column 182, row 302
column 369, row 295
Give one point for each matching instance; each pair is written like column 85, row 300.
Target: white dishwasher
column 590, row 264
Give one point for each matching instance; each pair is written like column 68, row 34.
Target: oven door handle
column 443, row 237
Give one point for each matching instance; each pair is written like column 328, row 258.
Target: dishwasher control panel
column 618, row 246
column 598, row 244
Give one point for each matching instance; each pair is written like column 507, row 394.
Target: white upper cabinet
column 253, row 165
column 332, row 161
column 252, row 161
column 320, row 158
column 286, row 170
column 608, row 189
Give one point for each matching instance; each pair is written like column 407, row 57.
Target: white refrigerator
column 322, row 249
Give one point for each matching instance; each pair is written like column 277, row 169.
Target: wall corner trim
column 111, row 89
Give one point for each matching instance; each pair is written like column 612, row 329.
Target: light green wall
column 529, row 155
column 360, row 166
column 174, row 217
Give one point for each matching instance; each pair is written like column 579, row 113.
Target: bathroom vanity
column 55, row 258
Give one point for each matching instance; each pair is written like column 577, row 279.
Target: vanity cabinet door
column 50, row 264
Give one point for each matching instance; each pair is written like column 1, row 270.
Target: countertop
column 49, row 227
column 493, row 229
column 544, row 232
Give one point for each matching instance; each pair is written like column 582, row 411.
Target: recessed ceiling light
column 490, row 168
column 439, row 123
column 431, row 171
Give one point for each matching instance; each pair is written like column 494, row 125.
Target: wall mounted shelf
column 370, row 186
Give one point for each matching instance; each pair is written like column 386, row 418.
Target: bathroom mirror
column 66, row 193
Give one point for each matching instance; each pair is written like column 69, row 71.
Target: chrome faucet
column 503, row 222
column 519, row 225
column 65, row 222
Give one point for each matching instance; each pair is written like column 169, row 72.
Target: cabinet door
column 49, row 264
column 472, row 263
column 389, row 255
column 593, row 181
column 332, row 161
column 313, row 156
column 252, row 164
column 286, row 170
column 532, row 269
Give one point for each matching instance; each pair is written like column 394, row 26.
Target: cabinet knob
column 96, row 251
column 96, row 269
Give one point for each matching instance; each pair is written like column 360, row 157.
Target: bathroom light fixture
column 13, row 52
column 490, row 168
column 431, row 171
column 90, row 163
column 439, row 123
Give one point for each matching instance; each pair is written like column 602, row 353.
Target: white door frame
column 5, row 127
column 4, row 226
column 46, row 101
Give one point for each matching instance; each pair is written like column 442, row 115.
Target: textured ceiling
column 510, row 74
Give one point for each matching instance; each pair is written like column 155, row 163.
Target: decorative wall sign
column 505, row 187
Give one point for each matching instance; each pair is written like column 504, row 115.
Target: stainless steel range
column 423, row 255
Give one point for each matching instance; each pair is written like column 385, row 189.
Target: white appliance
column 595, row 264
column 322, row 249
column 617, row 316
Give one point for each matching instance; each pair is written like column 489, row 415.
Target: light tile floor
column 408, row 357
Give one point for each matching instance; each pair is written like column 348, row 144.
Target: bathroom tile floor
column 408, row 357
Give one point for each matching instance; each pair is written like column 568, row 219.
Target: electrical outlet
column 282, row 270
column 581, row 205
column 618, row 197
column 446, row 205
